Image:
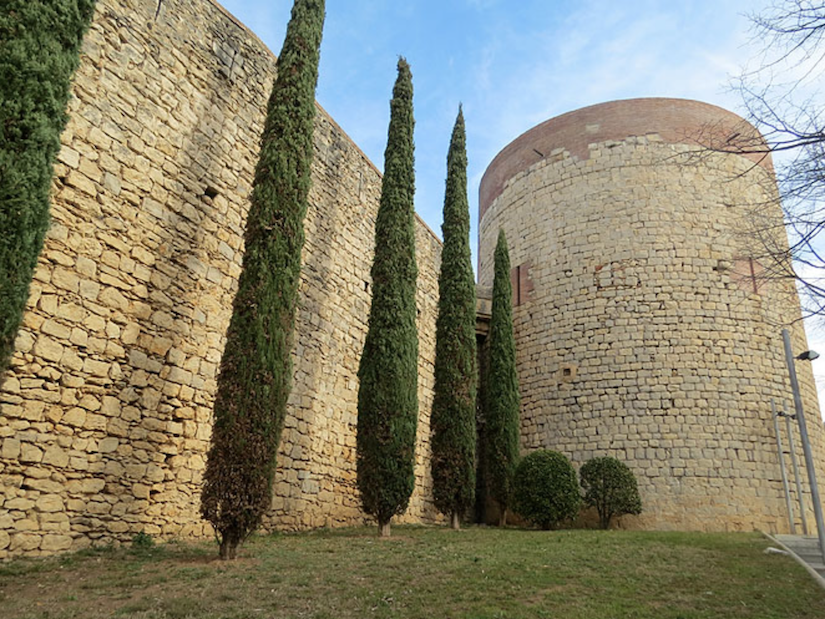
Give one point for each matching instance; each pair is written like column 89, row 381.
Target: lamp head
column 808, row 355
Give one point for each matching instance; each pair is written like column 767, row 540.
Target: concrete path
column 806, row 551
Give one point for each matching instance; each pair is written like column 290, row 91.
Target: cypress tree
column 502, row 410
column 453, row 418
column 388, row 371
column 256, row 371
column 39, row 52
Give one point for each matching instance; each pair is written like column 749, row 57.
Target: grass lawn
column 425, row 573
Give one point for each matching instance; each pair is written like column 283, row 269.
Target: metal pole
column 806, row 446
column 796, row 477
column 788, row 503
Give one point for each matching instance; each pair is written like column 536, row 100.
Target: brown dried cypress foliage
column 256, row 370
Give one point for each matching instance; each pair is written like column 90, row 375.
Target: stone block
column 74, row 417
column 107, row 445
column 24, row 542
column 48, row 349
column 18, row 504
column 55, row 456
column 50, row 503
column 46, row 485
column 113, row 298
column 95, row 422
column 55, row 543
column 92, row 486
column 25, row 524
column 65, row 279
column 30, row 454
column 10, row 449
column 56, row 330
column 96, row 368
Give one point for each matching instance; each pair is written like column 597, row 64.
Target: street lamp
column 808, row 355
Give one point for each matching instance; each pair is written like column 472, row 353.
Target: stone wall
column 640, row 331
column 105, row 416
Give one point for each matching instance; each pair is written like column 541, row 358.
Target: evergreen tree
column 388, row 373
column 453, row 418
column 256, row 371
column 39, row 52
column 502, row 410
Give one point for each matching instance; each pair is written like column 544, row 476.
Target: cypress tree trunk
column 256, row 371
column 453, row 418
column 388, row 371
column 455, row 521
column 39, row 52
column 502, row 428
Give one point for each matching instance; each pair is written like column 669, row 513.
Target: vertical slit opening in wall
column 753, row 276
column 158, row 9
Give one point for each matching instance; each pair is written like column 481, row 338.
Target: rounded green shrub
column 610, row 487
column 545, row 489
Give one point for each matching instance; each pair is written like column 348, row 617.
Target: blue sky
column 513, row 65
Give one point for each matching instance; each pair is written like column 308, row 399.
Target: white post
column 797, row 478
column 788, row 503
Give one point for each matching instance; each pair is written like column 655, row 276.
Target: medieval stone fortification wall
column 106, row 415
column 640, row 331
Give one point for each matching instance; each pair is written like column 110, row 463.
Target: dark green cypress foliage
column 39, row 52
column 388, row 372
column 453, row 418
column 256, row 371
column 502, row 410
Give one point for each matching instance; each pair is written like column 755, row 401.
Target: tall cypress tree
column 502, row 409
column 256, row 371
column 388, row 372
column 39, row 52
column 453, row 418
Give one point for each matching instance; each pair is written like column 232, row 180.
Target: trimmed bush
column 256, row 370
column 610, row 486
column 545, row 489
column 39, row 52
column 388, row 369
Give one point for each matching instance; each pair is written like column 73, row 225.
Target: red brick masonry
column 678, row 121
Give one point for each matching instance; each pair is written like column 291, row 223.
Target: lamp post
column 785, row 487
column 803, row 433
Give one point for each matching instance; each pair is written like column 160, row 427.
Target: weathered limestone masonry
column 106, row 414
column 640, row 329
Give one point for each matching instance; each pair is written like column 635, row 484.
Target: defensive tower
column 643, row 325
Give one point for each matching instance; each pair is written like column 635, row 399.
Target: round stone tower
column 647, row 317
